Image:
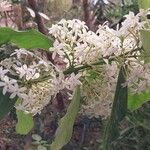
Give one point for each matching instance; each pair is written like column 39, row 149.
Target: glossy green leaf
column 65, row 129
column 25, row 122
column 144, row 4
column 25, row 39
column 6, row 104
column 135, row 101
column 118, row 112
column 145, row 37
column 41, row 147
column 141, row 116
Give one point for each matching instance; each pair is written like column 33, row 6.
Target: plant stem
column 87, row 66
column 77, row 69
column 41, row 27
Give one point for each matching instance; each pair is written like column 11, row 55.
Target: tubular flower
column 98, row 91
column 77, row 53
column 38, row 96
column 74, row 42
column 34, row 96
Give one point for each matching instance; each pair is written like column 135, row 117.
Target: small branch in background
column 18, row 16
column 123, row 6
column 39, row 21
column 60, row 101
column 86, row 12
column 89, row 16
column 42, row 29
column 6, row 19
column 83, row 135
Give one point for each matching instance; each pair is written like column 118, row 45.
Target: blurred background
column 18, row 13
column 41, row 14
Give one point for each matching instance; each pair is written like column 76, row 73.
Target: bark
column 18, row 16
column 88, row 16
column 39, row 21
column 60, row 101
column 86, row 12
column 42, row 29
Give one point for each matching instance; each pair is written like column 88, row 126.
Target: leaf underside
column 6, row 104
column 65, row 129
column 25, row 39
column 118, row 112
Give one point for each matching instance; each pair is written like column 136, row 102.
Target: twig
column 60, row 101
column 39, row 21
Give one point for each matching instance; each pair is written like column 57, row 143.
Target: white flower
column 27, row 100
column 136, row 72
column 5, row 6
column 7, row 84
column 28, row 73
column 76, row 25
column 44, row 63
column 57, row 49
column 55, row 30
column 3, row 72
column 59, row 82
column 81, row 52
column 20, row 52
column 23, row 70
column 72, row 81
column 17, row 91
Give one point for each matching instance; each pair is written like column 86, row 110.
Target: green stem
column 86, row 66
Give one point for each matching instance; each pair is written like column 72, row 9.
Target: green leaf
column 92, row 74
column 141, row 116
column 36, row 137
column 65, row 129
column 25, row 122
column 41, row 147
column 135, row 101
column 25, row 39
column 145, row 37
column 144, row 4
column 118, row 112
column 6, row 104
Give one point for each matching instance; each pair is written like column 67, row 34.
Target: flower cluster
column 35, row 82
column 123, row 39
column 39, row 95
column 81, row 57
column 76, row 45
column 98, row 90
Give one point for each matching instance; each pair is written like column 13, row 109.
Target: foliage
column 118, row 112
column 145, row 36
column 144, row 4
column 140, row 116
column 24, row 39
column 91, row 63
column 65, row 129
column 130, row 5
column 41, row 144
column 114, row 11
column 6, row 104
column 25, row 122
column 16, row 1
column 136, row 135
column 135, row 101
column 27, row 39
